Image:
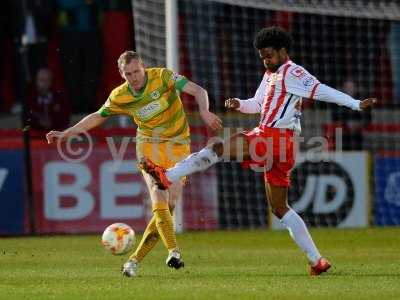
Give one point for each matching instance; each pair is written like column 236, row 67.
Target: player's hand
column 232, row 103
column 211, row 120
column 369, row 102
column 54, row 135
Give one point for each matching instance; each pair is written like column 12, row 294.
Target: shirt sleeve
column 110, row 108
column 301, row 83
column 328, row 94
column 175, row 80
column 254, row 105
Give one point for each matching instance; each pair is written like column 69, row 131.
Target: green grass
column 257, row 264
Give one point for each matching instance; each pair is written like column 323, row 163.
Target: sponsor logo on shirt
column 298, row 72
column 308, row 81
column 149, row 110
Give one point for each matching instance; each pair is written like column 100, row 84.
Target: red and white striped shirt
column 279, row 95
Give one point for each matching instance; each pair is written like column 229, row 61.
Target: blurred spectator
column 80, row 51
column 30, row 28
column 48, row 108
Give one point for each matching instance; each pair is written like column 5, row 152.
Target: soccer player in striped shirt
column 278, row 100
column 150, row 97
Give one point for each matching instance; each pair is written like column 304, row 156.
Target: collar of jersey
column 288, row 61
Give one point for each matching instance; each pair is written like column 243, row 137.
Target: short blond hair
column 126, row 57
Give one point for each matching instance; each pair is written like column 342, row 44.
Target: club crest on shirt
column 155, row 94
column 274, row 77
column 308, row 81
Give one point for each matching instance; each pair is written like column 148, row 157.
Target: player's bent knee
column 279, row 212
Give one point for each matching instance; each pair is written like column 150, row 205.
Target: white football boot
column 130, row 269
column 174, row 260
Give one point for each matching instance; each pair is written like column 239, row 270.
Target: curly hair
column 274, row 37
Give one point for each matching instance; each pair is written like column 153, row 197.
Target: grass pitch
column 256, row 264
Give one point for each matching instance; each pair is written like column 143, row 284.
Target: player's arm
column 328, row 94
column 301, row 83
column 249, row 106
column 201, row 96
column 90, row 121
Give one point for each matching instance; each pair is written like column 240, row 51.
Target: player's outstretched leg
column 277, row 196
column 198, row 161
column 195, row 162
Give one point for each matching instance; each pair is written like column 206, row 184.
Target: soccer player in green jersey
column 150, row 96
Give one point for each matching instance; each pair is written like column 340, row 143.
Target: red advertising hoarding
column 87, row 195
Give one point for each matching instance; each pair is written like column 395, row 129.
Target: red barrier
column 87, row 196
